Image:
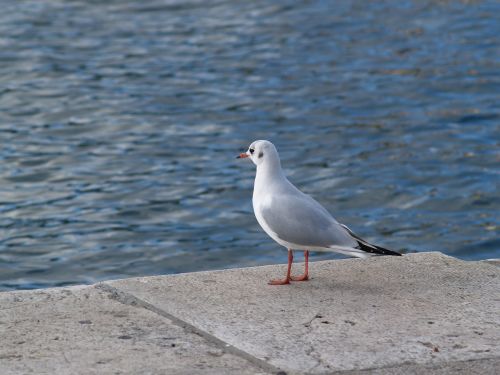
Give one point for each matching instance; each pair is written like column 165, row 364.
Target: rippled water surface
column 120, row 121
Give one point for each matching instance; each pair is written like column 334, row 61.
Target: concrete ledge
column 423, row 313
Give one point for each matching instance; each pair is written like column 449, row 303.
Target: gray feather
column 301, row 220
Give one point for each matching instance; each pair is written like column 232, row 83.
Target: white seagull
column 294, row 219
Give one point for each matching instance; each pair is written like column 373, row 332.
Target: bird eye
column 251, row 150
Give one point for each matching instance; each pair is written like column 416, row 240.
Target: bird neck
column 268, row 173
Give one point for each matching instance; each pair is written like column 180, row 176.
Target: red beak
column 242, row 156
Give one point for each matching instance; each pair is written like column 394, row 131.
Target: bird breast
column 261, row 202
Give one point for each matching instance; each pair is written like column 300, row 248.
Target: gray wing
column 301, row 220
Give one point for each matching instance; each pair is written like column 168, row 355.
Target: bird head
column 261, row 152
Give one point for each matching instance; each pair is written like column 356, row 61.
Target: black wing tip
column 374, row 249
column 388, row 252
column 368, row 247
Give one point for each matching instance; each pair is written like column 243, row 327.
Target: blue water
column 120, row 121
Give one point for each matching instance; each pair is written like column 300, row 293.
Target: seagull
column 294, row 219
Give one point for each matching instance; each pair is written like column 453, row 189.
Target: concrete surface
column 81, row 330
column 422, row 313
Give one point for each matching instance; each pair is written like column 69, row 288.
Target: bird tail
column 368, row 247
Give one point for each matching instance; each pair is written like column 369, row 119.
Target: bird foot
column 303, row 277
column 279, row 282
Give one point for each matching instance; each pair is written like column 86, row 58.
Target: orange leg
column 287, row 279
column 305, row 276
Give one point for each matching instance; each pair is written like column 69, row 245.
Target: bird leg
column 287, row 279
column 305, row 276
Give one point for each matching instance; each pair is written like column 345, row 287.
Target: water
column 120, row 121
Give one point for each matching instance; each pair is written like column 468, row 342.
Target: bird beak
column 242, row 156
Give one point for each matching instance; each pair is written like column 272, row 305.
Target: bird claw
column 279, row 282
column 300, row 278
